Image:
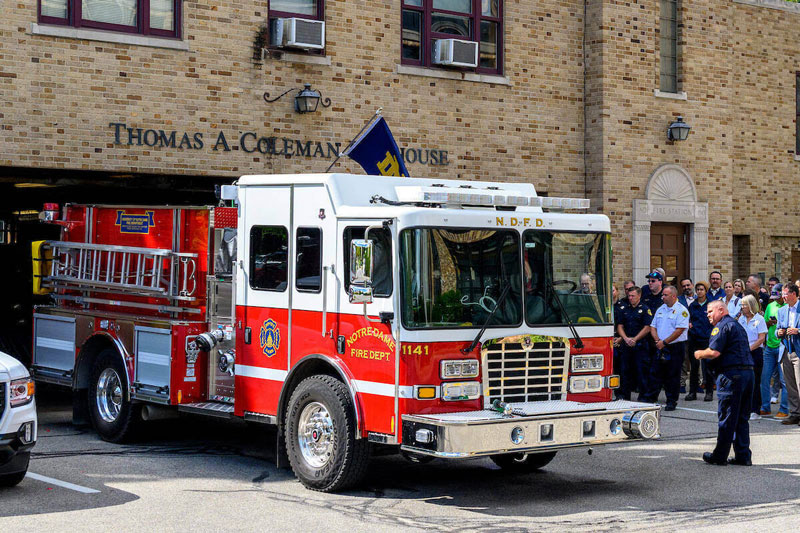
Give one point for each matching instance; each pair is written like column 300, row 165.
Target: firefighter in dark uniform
column 633, row 327
column 729, row 354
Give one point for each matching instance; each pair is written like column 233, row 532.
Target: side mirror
column 361, row 263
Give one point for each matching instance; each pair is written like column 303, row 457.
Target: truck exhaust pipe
column 157, row 412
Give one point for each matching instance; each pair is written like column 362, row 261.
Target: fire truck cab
column 446, row 318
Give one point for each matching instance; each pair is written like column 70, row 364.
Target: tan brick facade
column 598, row 131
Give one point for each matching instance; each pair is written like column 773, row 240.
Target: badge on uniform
column 714, row 331
column 649, row 312
column 641, row 310
column 684, row 314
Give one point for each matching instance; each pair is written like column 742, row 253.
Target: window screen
column 269, row 248
column 309, row 260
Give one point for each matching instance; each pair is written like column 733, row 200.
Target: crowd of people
column 660, row 327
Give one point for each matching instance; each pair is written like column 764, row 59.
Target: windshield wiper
column 578, row 341
column 477, row 339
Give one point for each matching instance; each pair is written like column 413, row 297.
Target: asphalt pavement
column 208, row 475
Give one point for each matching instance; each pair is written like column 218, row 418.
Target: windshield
column 576, row 267
column 453, row 278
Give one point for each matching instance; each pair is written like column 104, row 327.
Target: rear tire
column 523, row 463
column 320, row 436
column 113, row 415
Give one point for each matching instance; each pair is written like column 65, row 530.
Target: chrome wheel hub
column 109, row 395
column 315, row 434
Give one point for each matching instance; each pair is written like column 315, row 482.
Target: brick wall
column 61, row 94
column 599, row 133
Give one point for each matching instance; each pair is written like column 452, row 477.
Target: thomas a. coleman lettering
column 251, row 142
column 369, row 347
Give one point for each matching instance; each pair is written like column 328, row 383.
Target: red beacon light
column 49, row 213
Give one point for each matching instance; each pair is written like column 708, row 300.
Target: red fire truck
column 448, row 319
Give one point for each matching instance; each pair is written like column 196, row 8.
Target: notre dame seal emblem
column 269, row 338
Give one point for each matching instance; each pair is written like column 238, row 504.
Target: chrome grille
column 519, row 370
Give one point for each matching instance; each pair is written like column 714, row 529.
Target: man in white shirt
column 668, row 329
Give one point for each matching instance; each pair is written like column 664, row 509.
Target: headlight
column 587, row 363
column 458, row 368
column 22, row 392
column 465, row 390
column 581, row 384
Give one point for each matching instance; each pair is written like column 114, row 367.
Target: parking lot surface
column 209, row 475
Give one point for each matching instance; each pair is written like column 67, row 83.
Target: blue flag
column 376, row 151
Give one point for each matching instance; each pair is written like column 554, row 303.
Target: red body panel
column 144, row 227
column 595, row 345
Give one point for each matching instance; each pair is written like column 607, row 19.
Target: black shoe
column 709, row 458
column 709, row 397
column 669, row 407
column 691, row 397
column 791, row 420
column 740, row 462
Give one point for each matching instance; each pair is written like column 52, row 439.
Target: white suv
column 17, row 420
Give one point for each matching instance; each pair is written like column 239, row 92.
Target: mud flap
column 281, row 456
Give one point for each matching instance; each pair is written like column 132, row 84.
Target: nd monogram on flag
column 376, row 151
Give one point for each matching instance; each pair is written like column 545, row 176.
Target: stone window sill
column 783, row 5
column 290, row 57
column 797, row 157
column 413, row 70
column 108, row 36
column 671, row 96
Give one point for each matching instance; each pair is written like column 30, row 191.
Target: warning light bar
column 485, row 197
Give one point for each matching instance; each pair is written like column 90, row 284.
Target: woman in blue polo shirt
column 756, row 328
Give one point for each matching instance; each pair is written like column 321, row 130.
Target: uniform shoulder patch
column 649, row 312
column 684, row 314
column 714, row 331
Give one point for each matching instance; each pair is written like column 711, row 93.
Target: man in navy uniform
column 633, row 326
column 729, row 353
column 651, row 295
column 668, row 330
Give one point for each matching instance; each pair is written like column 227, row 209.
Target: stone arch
column 671, row 183
column 671, row 196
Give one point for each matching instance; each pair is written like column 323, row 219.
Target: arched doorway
column 669, row 215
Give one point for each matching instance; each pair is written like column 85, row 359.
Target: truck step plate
column 222, row 410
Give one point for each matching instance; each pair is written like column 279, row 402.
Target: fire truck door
column 314, row 287
column 369, row 345
column 264, row 279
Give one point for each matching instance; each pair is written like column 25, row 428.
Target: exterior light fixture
column 678, row 130
column 305, row 101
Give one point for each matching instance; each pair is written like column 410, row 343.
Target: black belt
column 738, row 367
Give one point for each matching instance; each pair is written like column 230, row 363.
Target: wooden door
column 669, row 249
column 795, row 265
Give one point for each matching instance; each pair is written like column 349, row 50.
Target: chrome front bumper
column 532, row 427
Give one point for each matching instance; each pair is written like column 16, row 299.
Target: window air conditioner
column 297, row 33
column 455, row 53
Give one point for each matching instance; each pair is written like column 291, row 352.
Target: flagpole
column 339, row 155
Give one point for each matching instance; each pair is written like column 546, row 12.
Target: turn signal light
column 612, row 382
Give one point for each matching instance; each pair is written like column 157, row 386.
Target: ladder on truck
column 151, row 272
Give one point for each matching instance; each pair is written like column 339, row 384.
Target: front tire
column 320, row 436
column 113, row 415
column 523, row 463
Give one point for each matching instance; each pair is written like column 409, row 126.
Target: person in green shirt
column 772, row 357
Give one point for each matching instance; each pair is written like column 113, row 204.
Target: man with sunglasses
column 651, row 295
